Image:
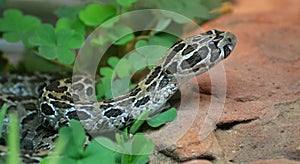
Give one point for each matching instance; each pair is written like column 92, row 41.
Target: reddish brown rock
column 262, row 108
column 198, row 162
column 275, row 161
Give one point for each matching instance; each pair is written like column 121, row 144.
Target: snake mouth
column 227, row 51
column 230, row 39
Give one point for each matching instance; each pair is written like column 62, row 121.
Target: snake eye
column 229, row 40
column 209, row 32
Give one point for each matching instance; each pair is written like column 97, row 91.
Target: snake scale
column 46, row 102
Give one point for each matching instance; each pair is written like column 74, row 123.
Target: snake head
column 225, row 41
column 197, row 54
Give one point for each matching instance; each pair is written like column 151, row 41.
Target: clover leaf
column 57, row 44
column 15, row 26
column 95, row 14
column 126, row 3
column 68, row 11
column 70, row 24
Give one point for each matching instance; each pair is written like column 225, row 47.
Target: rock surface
column 260, row 122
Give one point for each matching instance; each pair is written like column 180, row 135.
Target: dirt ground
column 261, row 118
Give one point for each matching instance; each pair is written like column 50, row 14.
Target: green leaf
column 78, row 133
column 162, row 23
column 58, row 160
column 70, row 24
column 162, row 39
column 106, row 71
column 71, row 140
column 44, row 36
column 105, row 87
column 126, row 3
column 65, row 55
column 16, row 27
column 69, row 39
column 57, row 44
column 100, row 148
column 140, row 43
column 68, row 11
column 139, row 121
column 123, row 68
column 113, row 61
column 2, row 116
column 100, row 144
column 142, row 145
column 138, row 61
column 95, row 14
column 162, row 118
column 13, row 139
column 121, row 34
column 212, row 4
column 120, row 86
column 48, row 52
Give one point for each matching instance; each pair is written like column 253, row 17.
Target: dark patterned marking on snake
column 72, row 115
column 151, row 87
column 113, row 112
column 189, row 49
column 104, row 107
column 142, row 101
column 59, row 104
column 83, row 115
column 163, row 82
column 30, row 106
column 28, row 118
column 202, row 52
column 153, row 75
column 63, row 123
column 47, row 110
column 68, row 80
column 67, row 98
column 20, row 98
column 54, row 86
column 214, row 51
column 173, row 53
column 75, row 98
column 172, row 68
column 135, row 91
column 89, row 91
column 78, row 86
column 51, row 96
column 191, row 62
column 88, row 81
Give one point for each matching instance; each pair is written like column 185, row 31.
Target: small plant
column 129, row 148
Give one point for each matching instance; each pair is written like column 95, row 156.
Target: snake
column 47, row 102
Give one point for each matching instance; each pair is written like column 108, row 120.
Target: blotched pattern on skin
column 47, row 102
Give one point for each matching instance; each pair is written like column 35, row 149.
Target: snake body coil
column 49, row 102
